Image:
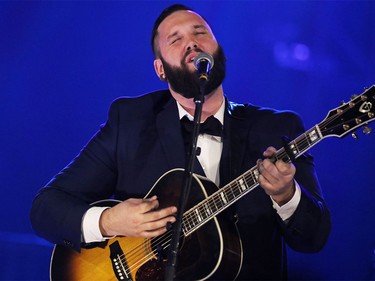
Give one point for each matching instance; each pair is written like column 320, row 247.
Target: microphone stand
column 188, row 176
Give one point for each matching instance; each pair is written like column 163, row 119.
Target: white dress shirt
column 210, row 146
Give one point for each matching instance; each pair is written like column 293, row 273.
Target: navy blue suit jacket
column 142, row 139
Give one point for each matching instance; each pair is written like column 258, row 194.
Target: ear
column 159, row 69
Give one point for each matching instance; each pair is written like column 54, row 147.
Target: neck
column 211, row 105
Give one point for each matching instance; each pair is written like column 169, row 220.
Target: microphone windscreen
column 203, row 57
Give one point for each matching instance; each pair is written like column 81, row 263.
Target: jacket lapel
column 235, row 136
column 169, row 130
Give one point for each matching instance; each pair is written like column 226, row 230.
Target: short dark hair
column 165, row 13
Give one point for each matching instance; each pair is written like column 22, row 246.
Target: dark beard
column 186, row 83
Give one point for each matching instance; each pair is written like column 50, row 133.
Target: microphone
column 203, row 63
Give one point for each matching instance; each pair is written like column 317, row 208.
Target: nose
column 191, row 44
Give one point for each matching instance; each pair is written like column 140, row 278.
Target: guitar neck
column 237, row 188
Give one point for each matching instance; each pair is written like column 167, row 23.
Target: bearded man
column 224, row 236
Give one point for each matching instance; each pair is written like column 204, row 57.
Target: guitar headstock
column 345, row 119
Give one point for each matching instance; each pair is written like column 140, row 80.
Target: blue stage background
column 63, row 62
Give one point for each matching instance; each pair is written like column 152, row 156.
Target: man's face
column 186, row 82
column 181, row 36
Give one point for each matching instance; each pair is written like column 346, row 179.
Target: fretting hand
column 277, row 179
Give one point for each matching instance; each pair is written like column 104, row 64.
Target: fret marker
column 293, row 149
column 313, row 135
column 242, row 184
column 223, row 198
column 256, row 174
column 198, row 215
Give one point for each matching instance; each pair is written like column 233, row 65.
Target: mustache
column 188, row 52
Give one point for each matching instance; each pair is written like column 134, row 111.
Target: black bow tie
column 211, row 126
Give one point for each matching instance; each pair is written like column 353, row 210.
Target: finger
column 269, row 171
column 266, row 185
column 158, row 227
column 153, row 198
column 154, row 233
column 159, row 214
column 269, row 152
column 152, row 225
column 262, row 171
column 262, row 179
column 285, row 169
column 260, row 166
column 148, row 205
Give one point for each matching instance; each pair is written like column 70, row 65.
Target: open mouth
column 190, row 58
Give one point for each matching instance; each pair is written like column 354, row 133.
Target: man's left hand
column 276, row 178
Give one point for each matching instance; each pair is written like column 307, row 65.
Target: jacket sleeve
column 308, row 228
column 58, row 208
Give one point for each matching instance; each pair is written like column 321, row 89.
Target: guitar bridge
column 119, row 264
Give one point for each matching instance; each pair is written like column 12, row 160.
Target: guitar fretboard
column 230, row 193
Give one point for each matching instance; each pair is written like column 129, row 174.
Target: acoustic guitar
column 208, row 217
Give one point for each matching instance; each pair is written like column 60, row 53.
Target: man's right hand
column 136, row 218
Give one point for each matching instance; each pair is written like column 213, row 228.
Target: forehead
column 180, row 19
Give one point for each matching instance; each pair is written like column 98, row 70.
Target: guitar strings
column 162, row 240
column 329, row 119
column 214, row 202
column 137, row 253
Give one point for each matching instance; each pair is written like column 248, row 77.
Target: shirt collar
column 219, row 115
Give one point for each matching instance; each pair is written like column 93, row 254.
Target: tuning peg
column 354, row 136
column 353, row 97
column 367, row 130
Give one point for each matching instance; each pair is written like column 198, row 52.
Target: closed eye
column 200, row 29
column 175, row 40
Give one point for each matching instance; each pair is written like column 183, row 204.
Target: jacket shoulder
column 138, row 106
column 248, row 110
column 156, row 97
